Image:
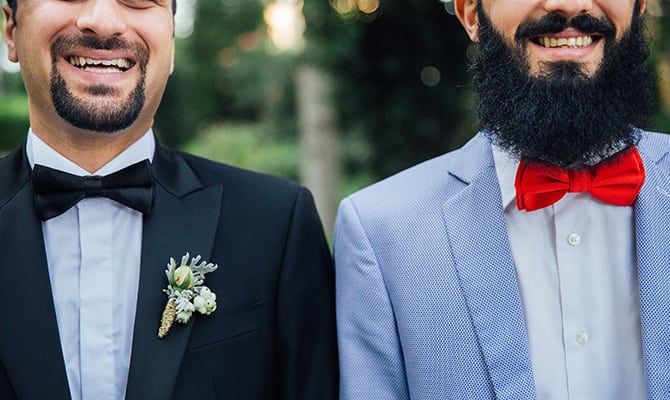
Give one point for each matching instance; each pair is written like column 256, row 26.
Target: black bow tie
column 56, row 191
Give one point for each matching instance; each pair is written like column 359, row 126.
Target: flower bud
column 182, row 278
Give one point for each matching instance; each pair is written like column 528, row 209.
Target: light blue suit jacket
column 427, row 299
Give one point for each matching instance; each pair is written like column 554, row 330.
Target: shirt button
column 574, row 239
column 582, row 337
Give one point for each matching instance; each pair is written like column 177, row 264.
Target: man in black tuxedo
column 93, row 211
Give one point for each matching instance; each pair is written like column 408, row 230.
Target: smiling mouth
column 101, row 66
column 574, row 42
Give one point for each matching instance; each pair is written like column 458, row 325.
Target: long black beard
column 563, row 117
column 100, row 116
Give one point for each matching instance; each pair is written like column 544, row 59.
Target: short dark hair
column 12, row 5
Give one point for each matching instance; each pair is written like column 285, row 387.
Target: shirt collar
column 506, row 167
column 41, row 153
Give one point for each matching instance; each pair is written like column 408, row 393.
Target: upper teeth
column 85, row 61
column 574, row 42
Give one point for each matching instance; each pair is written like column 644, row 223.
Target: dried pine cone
column 167, row 319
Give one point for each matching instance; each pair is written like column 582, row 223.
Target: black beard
column 102, row 116
column 563, row 117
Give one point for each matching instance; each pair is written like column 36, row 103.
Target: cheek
column 622, row 25
column 161, row 50
column 506, row 25
column 159, row 68
column 33, row 60
column 620, row 13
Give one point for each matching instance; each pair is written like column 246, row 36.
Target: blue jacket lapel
column 184, row 219
column 652, row 229
column 26, row 295
column 478, row 236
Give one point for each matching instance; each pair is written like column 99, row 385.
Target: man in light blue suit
column 534, row 262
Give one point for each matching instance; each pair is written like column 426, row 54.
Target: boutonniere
column 186, row 292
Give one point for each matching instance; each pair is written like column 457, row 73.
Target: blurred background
column 335, row 94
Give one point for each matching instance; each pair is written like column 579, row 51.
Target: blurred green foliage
column 14, row 121
column 247, row 145
column 229, row 70
column 659, row 32
column 384, row 97
column 226, row 70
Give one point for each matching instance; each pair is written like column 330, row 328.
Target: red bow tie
column 617, row 181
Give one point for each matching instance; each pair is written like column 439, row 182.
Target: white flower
column 189, row 307
column 183, row 317
column 198, row 302
column 205, row 301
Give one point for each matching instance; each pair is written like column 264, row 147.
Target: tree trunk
column 319, row 167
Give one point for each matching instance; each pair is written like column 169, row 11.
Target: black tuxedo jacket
column 273, row 333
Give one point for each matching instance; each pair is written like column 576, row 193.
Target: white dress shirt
column 577, row 275
column 93, row 254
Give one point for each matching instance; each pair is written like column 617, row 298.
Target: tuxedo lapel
column 478, row 237
column 652, row 229
column 184, row 219
column 29, row 339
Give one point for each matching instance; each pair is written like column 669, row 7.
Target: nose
column 568, row 8
column 104, row 18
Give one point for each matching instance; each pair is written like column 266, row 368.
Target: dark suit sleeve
column 306, row 309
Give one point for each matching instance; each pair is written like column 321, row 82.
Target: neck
column 89, row 150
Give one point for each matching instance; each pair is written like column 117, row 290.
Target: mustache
column 554, row 23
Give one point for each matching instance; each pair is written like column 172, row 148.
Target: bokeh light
column 430, row 76
column 349, row 8
column 285, row 23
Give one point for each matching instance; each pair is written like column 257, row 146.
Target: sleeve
column 306, row 309
column 371, row 361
